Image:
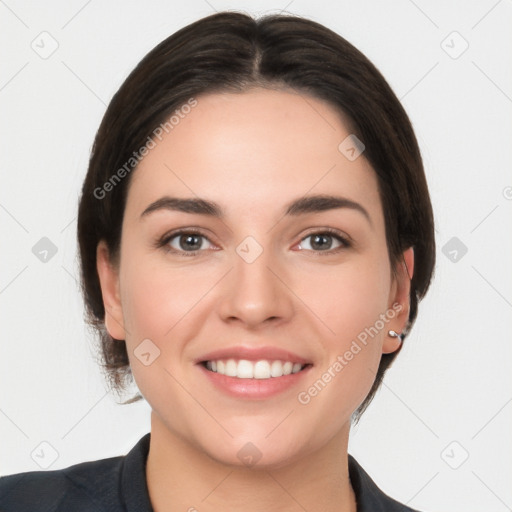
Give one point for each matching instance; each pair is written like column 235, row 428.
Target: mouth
column 261, row 369
column 245, row 372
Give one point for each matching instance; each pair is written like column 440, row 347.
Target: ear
column 399, row 300
column 109, row 282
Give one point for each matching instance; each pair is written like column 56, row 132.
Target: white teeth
column 244, row 369
column 231, row 368
column 262, row 370
column 276, row 369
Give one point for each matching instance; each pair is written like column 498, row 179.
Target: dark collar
column 135, row 493
column 369, row 497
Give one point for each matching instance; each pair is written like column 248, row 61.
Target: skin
column 252, row 153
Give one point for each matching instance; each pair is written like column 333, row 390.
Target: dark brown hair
column 231, row 51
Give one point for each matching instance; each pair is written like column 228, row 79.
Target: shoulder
column 88, row 486
column 369, row 496
column 104, row 485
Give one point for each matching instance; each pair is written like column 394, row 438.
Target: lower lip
column 254, row 388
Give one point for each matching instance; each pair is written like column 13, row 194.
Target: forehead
column 260, row 149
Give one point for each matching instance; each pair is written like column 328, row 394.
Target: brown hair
column 231, row 51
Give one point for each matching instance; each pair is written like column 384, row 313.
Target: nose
column 256, row 293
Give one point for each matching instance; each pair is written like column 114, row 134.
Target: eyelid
column 163, row 241
column 345, row 240
column 330, row 231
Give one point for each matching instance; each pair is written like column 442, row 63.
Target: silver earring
column 394, row 334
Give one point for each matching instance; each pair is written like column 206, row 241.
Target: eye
column 185, row 242
column 189, row 243
column 324, row 241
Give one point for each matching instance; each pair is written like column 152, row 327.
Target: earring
column 394, row 334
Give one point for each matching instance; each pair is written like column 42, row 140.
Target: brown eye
column 186, row 242
column 190, row 242
column 323, row 242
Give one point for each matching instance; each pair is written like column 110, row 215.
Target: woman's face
column 251, row 283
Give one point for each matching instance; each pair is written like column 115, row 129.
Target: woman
column 255, row 233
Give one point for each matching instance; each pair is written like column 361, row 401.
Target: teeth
column 244, row 369
column 231, row 368
column 262, row 370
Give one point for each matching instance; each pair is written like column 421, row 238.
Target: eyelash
column 163, row 242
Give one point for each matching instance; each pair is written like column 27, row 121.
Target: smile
column 245, row 369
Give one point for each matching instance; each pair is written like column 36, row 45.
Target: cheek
column 349, row 305
column 156, row 295
column 159, row 304
column 143, row 300
column 347, row 298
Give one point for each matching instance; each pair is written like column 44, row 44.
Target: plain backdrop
column 437, row 436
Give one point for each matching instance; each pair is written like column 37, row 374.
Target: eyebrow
column 303, row 205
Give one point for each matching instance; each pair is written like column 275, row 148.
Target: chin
column 258, row 450
column 253, row 457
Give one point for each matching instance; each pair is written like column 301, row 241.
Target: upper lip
column 253, row 354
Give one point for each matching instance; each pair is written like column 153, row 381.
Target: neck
column 180, row 476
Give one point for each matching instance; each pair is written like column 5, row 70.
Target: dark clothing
column 118, row 484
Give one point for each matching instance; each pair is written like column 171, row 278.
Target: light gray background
column 451, row 383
